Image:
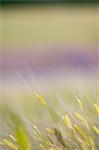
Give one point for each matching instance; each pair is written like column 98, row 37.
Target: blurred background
column 48, row 47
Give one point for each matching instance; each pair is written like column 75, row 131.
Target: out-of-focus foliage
column 4, row 2
column 66, row 128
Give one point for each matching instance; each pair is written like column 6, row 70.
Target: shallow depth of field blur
column 49, row 77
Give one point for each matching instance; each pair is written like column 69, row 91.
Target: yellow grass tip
column 67, row 121
column 12, row 137
column 42, row 101
column 49, row 130
column 96, row 108
column 80, row 131
column 79, row 116
column 10, row 144
column 80, row 104
column 96, row 130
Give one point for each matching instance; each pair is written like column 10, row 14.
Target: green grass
column 54, row 124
